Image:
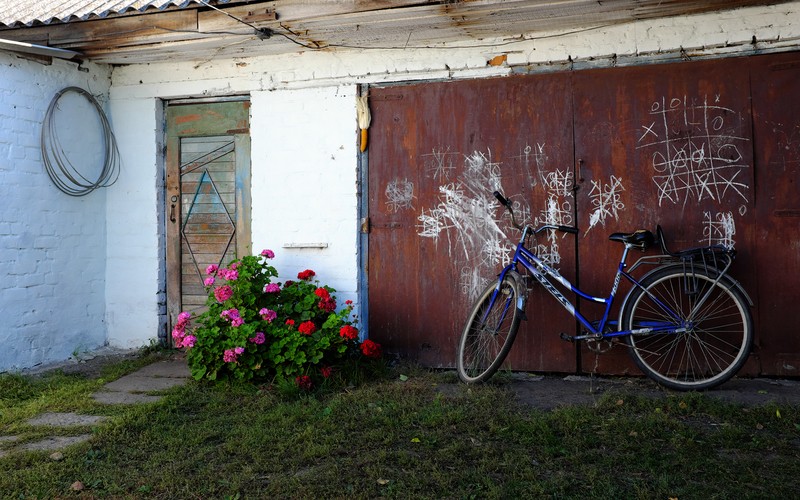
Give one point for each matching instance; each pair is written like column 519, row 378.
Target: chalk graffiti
column 440, row 163
column 399, row 194
column 606, row 202
column 694, row 153
column 719, row 229
column 465, row 215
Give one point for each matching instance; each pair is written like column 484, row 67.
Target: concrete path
column 139, row 387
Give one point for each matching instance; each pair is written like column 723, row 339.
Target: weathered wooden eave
column 199, row 33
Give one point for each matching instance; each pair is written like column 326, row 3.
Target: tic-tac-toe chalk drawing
column 719, row 229
column 606, row 202
column 399, row 194
column 696, row 154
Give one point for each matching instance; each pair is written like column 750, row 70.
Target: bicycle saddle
column 642, row 238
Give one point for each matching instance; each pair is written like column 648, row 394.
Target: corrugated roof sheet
column 31, row 12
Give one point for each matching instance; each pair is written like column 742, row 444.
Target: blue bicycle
column 686, row 321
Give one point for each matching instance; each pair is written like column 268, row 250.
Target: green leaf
column 403, row 378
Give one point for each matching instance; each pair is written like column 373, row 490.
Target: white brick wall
column 133, row 293
column 52, row 246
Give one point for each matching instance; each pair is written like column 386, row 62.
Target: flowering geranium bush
column 256, row 328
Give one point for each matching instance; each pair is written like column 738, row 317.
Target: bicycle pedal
column 568, row 338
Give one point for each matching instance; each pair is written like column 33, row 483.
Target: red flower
column 304, row 382
column 290, row 323
column 371, row 349
column 322, row 293
column 306, row 275
column 349, row 332
column 288, row 283
column 328, row 305
column 326, row 371
column 307, row 328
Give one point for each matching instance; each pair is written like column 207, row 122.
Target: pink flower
column 232, row 315
column 177, row 336
column 223, row 293
column 229, row 274
column 268, row 314
column 184, row 318
column 272, row 288
column 209, row 281
column 268, row 254
column 259, row 339
column 212, row 269
column 189, row 341
column 232, row 355
column 234, row 266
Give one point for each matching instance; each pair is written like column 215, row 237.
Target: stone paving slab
column 170, row 369
column 65, row 419
column 123, row 398
column 137, row 383
column 54, row 443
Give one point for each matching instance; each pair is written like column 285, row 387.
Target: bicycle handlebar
column 504, row 201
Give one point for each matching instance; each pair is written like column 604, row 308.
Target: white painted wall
column 304, row 182
column 304, row 163
column 52, row 246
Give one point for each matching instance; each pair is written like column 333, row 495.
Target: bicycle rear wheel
column 490, row 331
column 718, row 334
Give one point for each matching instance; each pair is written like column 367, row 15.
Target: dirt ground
column 551, row 391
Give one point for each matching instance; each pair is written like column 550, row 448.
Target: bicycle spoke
column 489, row 332
column 716, row 337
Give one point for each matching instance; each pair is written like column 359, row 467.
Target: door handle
column 174, row 200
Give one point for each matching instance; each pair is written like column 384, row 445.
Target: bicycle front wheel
column 718, row 328
column 490, row 331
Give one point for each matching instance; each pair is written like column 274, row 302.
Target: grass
column 402, row 439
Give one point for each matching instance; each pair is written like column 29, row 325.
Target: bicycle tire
column 484, row 344
column 717, row 343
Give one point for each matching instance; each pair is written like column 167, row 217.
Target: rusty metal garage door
column 669, row 145
column 776, row 110
column 607, row 150
column 437, row 234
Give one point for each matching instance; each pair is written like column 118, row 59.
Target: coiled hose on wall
column 62, row 172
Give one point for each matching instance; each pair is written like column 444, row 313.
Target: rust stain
column 186, row 119
column 497, row 60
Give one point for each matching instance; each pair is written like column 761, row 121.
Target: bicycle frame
column 540, row 270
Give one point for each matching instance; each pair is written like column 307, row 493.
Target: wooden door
column 208, row 196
